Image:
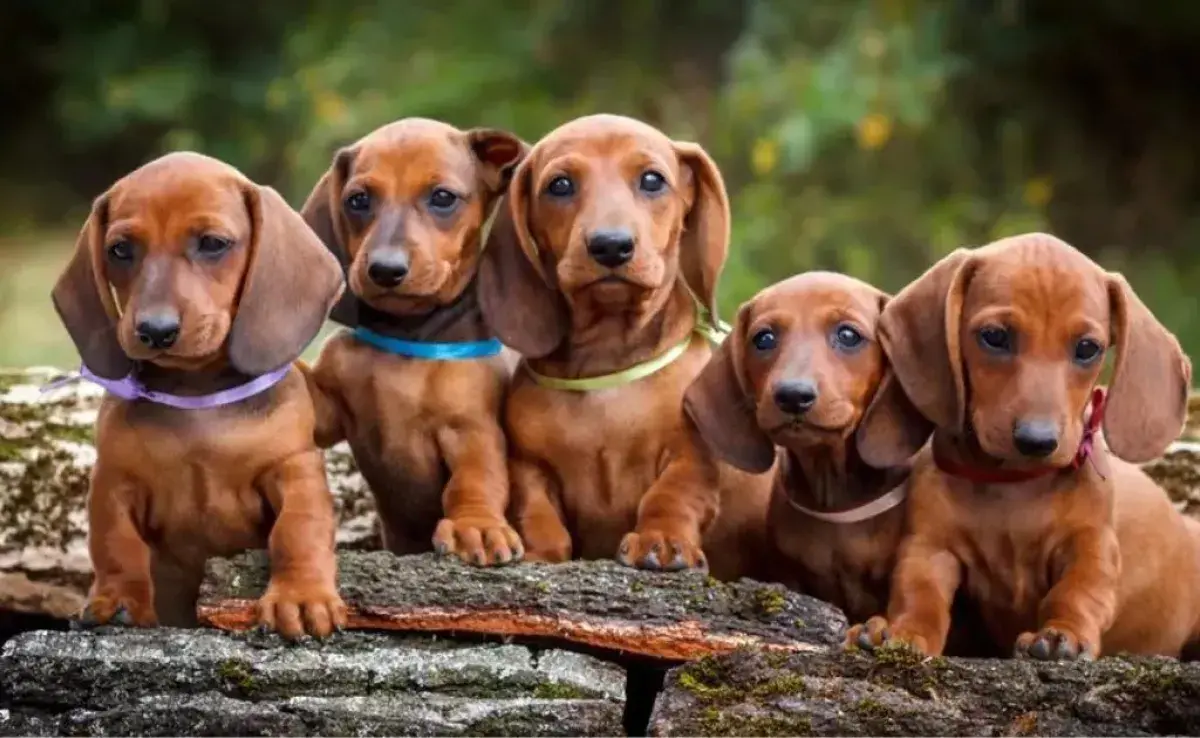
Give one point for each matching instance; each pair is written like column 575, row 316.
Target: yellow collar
column 714, row 333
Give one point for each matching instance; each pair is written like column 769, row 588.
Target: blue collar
column 455, row 351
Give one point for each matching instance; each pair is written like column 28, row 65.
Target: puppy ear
column 84, row 302
column 291, row 282
column 499, row 153
column 1147, row 400
column 724, row 412
column 919, row 332
column 322, row 212
column 892, row 429
column 517, row 301
column 704, row 244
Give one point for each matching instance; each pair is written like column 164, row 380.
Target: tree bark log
column 898, row 693
column 599, row 605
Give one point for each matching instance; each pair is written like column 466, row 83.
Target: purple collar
column 131, row 389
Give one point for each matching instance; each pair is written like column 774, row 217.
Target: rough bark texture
column 599, row 605
column 897, row 693
column 170, row 682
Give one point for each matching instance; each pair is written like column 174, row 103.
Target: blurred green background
column 870, row 136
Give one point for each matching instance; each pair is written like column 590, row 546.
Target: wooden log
column 900, row 693
column 598, row 605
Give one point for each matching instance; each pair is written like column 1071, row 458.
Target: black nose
column 158, row 331
column 611, row 248
column 388, row 270
column 795, row 397
column 1036, row 438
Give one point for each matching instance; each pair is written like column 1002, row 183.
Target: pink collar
column 874, row 508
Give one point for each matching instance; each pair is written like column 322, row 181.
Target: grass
column 30, row 332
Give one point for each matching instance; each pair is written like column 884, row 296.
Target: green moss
column 714, row 721
column 558, row 691
column 75, row 433
column 784, row 684
column 799, row 624
column 870, row 709
column 238, row 676
column 543, row 587
column 1153, row 679
column 769, row 601
column 711, row 582
column 636, row 586
column 705, row 692
column 905, row 666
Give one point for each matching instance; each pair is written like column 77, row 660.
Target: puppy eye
column 847, row 336
column 561, row 187
column 212, row 245
column 1087, row 351
column 121, row 251
column 765, row 340
column 442, row 200
column 996, row 340
column 358, row 203
column 652, row 182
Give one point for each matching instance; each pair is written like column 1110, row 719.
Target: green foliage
column 869, row 136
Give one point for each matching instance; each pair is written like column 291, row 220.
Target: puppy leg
column 923, row 586
column 327, row 405
column 538, row 514
column 122, row 591
column 674, row 513
column 302, row 595
column 1082, row 603
column 476, row 497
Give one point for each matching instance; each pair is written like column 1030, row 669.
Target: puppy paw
column 478, row 541
column 661, row 552
column 1053, row 644
column 877, row 633
column 117, row 609
column 296, row 610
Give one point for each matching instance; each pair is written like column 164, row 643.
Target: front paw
column 660, row 551
column 877, row 633
column 1054, row 644
column 114, row 608
column 294, row 609
column 482, row 541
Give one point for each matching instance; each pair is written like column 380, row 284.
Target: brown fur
column 733, row 401
column 1075, row 562
column 171, row 488
column 589, row 467
column 425, row 434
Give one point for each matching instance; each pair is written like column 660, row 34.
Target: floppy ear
column 1147, row 400
column 517, row 302
column 892, row 429
column 723, row 411
column 291, row 282
column 322, row 212
column 705, row 240
column 499, row 153
column 919, row 331
column 84, row 301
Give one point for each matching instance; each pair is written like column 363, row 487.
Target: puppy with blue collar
column 417, row 382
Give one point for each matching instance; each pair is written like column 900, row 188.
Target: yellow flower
column 765, row 156
column 1038, row 192
column 873, row 131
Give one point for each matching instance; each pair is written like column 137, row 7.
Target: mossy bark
column 598, row 605
column 170, row 682
column 899, row 693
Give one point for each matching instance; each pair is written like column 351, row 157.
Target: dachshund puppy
column 417, row 386
column 1067, row 548
column 613, row 234
column 190, row 293
column 798, row 372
